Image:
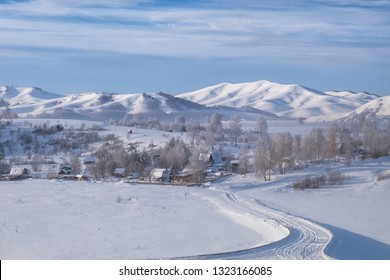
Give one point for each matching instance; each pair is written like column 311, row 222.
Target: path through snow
column 306, row 240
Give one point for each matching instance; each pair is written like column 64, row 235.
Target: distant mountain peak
column 284, row 100
column 249, row 100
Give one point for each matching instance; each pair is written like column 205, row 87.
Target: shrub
column 5, row 167
column 383, row 176
column 307, row 183
column 335, row 178
column 332, row 178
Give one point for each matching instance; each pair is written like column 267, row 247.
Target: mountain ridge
column 292, row 100
column 250, row 99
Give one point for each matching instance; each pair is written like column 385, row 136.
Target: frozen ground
column 41, row 219
column 356, row 212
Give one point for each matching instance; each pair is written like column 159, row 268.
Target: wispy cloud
column 143, row 27
column 243, row 34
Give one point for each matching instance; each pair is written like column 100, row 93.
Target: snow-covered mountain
column 377, row 108
column 25, row 95
column 247, row 100
column 95, row 105
column 293, row 100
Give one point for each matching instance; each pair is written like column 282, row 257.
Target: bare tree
column 331, row 141
column 263, row 157
column 346, row 144
column 180, row 123
column 244, row 159
column 235, row 129
column 193, row 128
column 214, row 131
column 261, row 127
column 75, row 164
column 175, row 152
column 297, row 147
column 283, row 144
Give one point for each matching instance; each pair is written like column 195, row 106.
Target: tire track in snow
column 306, row 240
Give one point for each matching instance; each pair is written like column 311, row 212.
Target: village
column 188, row 176
column 180, row 152
column 45, row 151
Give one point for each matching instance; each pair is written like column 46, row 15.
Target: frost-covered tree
column 235, row 129
column 313, row 146
column 347, row 145
column 332, row 150
column 75, row 164
column 193, row 129
column 261, row 127
column 180, row 123
column 264, row 158
column 375, row 139
column 297, row 147
column 244, row 159
column 174, row 153
column 214, row 130
column 283, row 148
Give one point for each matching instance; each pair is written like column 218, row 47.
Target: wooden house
column 190, row 175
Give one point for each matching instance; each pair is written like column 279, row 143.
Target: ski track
column 306, row 240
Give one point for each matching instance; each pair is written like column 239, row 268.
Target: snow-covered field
column 49, row 219
column 43, row 219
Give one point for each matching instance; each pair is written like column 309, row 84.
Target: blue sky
column 178, row 46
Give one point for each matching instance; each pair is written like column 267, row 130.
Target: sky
column 180, row 46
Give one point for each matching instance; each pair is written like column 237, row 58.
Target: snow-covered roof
column 158, row 172
column 188, row 172
column 18, row 169
column 120, row 170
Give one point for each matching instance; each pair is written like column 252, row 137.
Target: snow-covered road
column 306, row 240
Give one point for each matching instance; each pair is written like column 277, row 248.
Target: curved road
column 306, row 239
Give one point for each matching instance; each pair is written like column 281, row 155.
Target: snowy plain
column 234, row 217
column 49, row 219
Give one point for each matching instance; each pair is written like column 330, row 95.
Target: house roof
column 188, row 172
column 119, row 170
column 158, row 172
column 18, row 169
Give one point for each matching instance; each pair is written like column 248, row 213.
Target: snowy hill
column 283, row 100
column 95, row 105
column 246, row 100
column 377, row 108
column 358, row 96
column 25, row 95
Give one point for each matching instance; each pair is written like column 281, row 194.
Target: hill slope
column 95, row 105
column 246, row 100
column 25, row 95
column 377, row 108
column 283, row 100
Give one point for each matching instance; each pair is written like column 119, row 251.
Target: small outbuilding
column 120, row 172
column 234, row 165
column 90, row 160
column 65, row 169
column 190, row 175
column 159, row 175
column 20, row 170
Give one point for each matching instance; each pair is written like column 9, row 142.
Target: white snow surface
column 379, row 107
column 43, row 219
column 68, row 220
column 246, row 100
column 36, row 102
column 283, row 100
